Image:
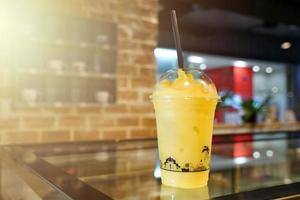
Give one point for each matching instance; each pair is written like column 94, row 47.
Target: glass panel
column 18, row 182
column 131, row 171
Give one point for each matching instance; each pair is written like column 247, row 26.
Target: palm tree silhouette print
column 205, row 158
column 168, row 163
column 205, row 149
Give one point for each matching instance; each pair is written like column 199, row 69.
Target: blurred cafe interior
column 76, row 76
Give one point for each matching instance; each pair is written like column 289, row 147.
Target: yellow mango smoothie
column 185, row 103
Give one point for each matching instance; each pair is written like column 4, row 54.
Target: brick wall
column 132, row 115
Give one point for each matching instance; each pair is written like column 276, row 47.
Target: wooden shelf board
column 69, row 74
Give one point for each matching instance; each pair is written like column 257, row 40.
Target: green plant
column 250, row 110
column 224, row 96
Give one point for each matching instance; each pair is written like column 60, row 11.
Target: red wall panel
column 243, row 82
column 222, row 77
column 234, row 79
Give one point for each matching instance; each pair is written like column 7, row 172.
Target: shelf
column 224, row 129
column 62, row 105
column 62, row 43
column 61, row 66
column 70, row 74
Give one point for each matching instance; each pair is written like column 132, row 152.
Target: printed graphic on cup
column 170, row 163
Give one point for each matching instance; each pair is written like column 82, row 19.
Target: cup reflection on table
column 172, row 193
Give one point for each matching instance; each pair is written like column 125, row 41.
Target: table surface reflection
column 129, row 170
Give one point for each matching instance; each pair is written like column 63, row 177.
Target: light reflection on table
column 128, row 173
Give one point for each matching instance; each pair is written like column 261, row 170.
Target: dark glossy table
column 246, row 166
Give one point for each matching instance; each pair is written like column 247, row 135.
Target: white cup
column 55, row 65
column 79, row 66
column 102, row 97
column 101, row 38
column 290, row 116
column 30, row 96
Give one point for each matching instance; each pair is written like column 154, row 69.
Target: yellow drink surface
column 184, row 110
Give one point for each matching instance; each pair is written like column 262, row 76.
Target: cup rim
column 154, row 97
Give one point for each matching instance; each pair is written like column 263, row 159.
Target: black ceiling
column 241, row 28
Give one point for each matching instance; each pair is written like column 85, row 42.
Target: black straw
column 176, row 38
